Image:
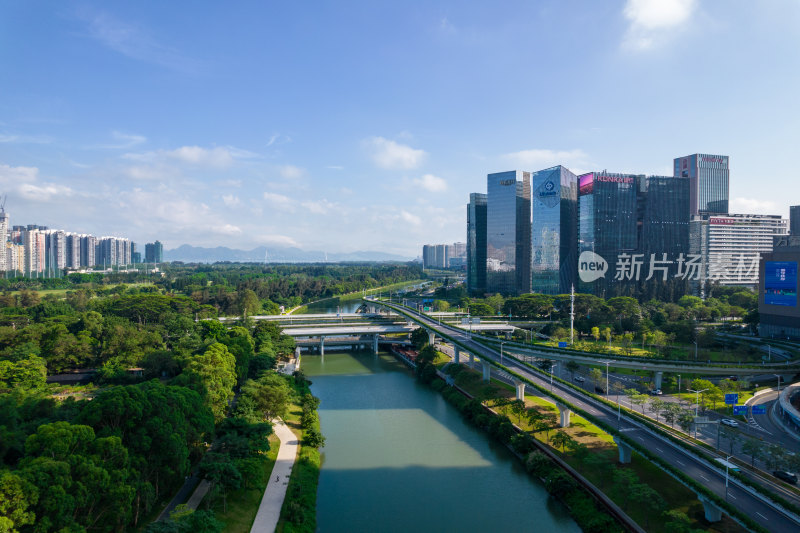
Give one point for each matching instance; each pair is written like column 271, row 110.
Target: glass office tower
column 508, row 233
column 476, row 244
column 708, row 178
column 607, row 223
column 554, row 230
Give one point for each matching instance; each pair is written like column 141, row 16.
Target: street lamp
column 695, row 350
column 679, row 385
column 501, row 352
column 696, row 407
column 552, row 369
column 779, row 381
column 608, row 383
column 727, row 459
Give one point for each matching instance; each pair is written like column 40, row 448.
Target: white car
column 729, row 422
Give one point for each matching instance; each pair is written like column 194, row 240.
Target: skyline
column 253, row 125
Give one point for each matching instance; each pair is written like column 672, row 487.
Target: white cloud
column 278, row 139
column 335, row 167
column 276, row 240
column 231, row 200
column 431, row 183
column 141, row 172
column 279, row 201
column 651, row 20
column 10, row 175
column 124, row 141
column 537, row 158
column 44, row 192
column 390, row 154
column 218, row 157
column 752, row 205
column 320, row 207
column 135, row 42
column 25, row 139
column 409, row 218
column 291, row 172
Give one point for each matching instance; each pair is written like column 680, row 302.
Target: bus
column 722, row 462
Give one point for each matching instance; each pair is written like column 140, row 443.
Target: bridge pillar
column 487, row 370
column 471, row 360
column 712, row 512
column 297, row 357
column 624, row 450
column 456, row 354
column 658, row 377
column 375, row 343
column 520, row 385
column 431, row 338
column 564, row 413
column 321, row 345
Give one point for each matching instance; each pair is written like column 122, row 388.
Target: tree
column 753, row 448
column 216, row 369
column 266, row 398
column 624, row 479
column 595, row 333
column 607, row 335
column 656, row 406
column 561, row 439
column 419, row 338
column 596, row 374
column 221, row 472
column 441, row 305
column 636, row 398
column 17, row 496
column 643, row 495
column 518, row 409
column 671, row 413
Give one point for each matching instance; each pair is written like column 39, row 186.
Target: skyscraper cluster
column 613, row 234
column 39, row 251
column 444, row 255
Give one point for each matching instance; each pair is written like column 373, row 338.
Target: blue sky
column 343, row 126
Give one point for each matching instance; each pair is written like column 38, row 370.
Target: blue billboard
column 780, row 283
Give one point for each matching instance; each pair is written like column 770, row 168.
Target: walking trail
column 270, row 508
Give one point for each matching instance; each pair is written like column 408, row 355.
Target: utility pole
column 571, row 313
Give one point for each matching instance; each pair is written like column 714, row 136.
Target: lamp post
column 696, row 407
column 679, row 384
column 501, row 352
column 727, row 462
column 779, row 381
column 469, row 319
column 695, row 350
column 608, row 383
column 552, row 369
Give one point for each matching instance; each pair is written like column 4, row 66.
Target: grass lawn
column 243, row 503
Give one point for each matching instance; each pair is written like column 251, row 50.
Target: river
column 399, row 458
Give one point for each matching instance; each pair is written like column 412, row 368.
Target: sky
column 346, row 126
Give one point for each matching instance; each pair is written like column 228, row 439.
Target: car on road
column 579, row 379
column 655, row 392
column 729, row 422
column 788, row 477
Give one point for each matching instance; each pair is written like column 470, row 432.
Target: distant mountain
column 197, row 254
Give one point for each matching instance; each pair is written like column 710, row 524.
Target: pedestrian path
column 270, row 508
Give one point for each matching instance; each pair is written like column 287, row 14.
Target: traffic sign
column 740, row 409
column 732, row 398
column 759, row 409
column 562, row 344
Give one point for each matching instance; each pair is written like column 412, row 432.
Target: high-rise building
column 3, row 239
column 73, row 250
column 153, row 252
column 665, row 232
column 476, row 244
column 607, row 226
column 794, row 220
column 33, row 240
column 88, row 250
column 778, row 305
column 508, row 232
column 554, row 230
column 731, row 246
column 708, row 177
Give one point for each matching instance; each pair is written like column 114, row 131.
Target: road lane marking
column 659, row 449
column 680, row 463
column 704, row 477
column 732, row 496
column 762, row 516
column 640, row 438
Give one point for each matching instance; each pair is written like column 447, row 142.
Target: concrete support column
column 431, row 338
column 471, row 360
column 564, row 413
column 321, row 345
column 375, row 343
column 487, row 371
column 658, row 377
column 456, row 354
column 297, row 357
column 624, row 450
column 713, row 513
column 520, row 385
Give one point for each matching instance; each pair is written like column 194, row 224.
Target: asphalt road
column 764, row 513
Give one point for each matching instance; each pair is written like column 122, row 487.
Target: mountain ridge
column 263, row 254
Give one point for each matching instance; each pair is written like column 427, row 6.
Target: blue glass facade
column 554, row 230
column 476, row 244
column 708, row 177
column 508, row 237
